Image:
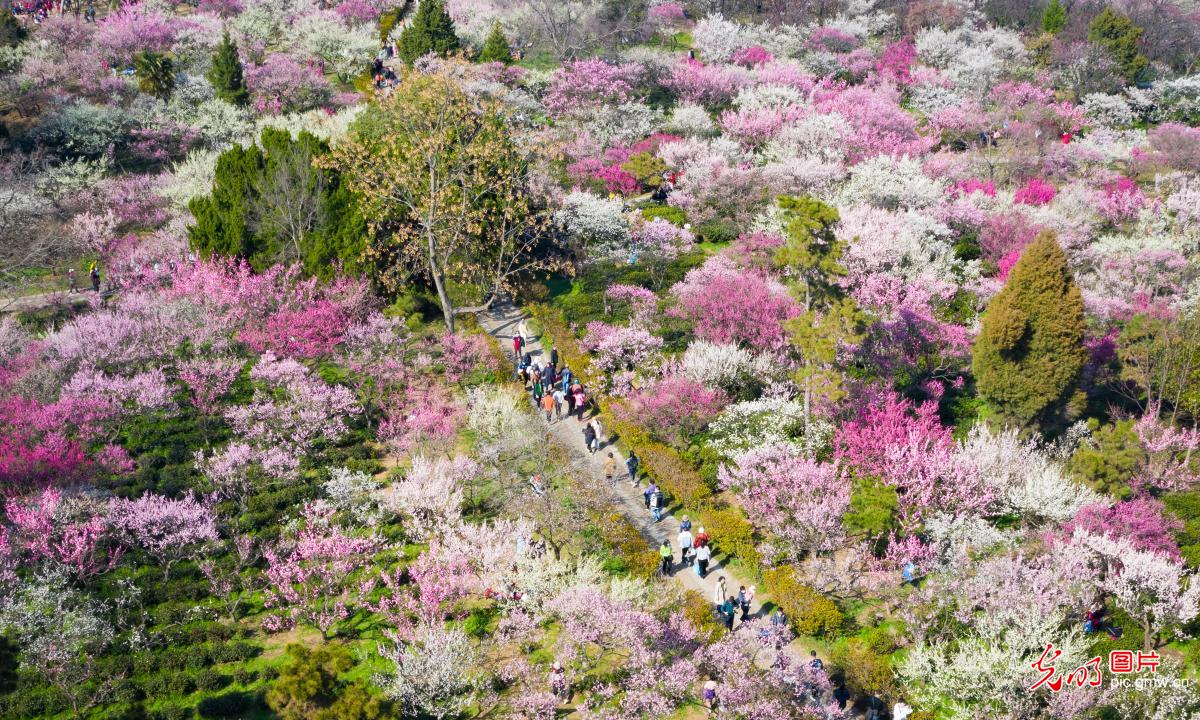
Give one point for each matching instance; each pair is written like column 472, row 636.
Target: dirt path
column 501, row 323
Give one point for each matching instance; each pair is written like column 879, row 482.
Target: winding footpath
column 501, row 322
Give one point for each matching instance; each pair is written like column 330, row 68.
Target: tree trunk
column 439, row 281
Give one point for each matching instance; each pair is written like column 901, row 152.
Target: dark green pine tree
column 1117, row 34
column 496, row 48
column 12, row 32
column 155, row 74
column 223, row 217
column 1054, row 17
column 431, row 30
column 225, row 75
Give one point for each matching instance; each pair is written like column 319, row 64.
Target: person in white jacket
column 719, row 593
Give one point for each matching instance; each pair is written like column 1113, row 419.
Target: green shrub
column 245, row 676
column 1109, row 463
column 231, row 705
column 732, row 534
column 647, row 168
column 864, row 670
column 209, row 679
column 809, row 612
column 669, row 213
column 718, row 231
column 478, row 623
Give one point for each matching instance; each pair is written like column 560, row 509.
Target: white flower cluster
column 727, row 367
column 753, row 424
column 973, row 59
column 623, row 124
column 1110, row 111
column 718, row 39
column 592, row 220
column 890, row 183
column 1177, row 99
column 1028, row 481
column 350, row 491
column 691, row 120
column 190, row 177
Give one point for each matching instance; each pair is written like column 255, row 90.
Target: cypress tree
column 1029, row 353
column 431, row 30
column 1054, row 17
column 496, row 48
column 1117, row 34
column 225, row 75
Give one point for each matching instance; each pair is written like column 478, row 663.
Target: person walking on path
column 667, row 554
column 702, row 537
column 727, row 613
column 685, row 544
column 703, row 555
column 523, row 330
column 710, row 694
column 656, row 502
column 610, row 469
column 566, row 379
column 600, row 442
column 560, row 397
column 95, row 275
column 589, row 439
column 74, row 281
column 548, row 407
column 631, row 464
column 580, row 399
column 537, row 392
column 518, row 344
column 745, row 600
column 719, row 592
column 554, row 357
column 650, row 490
column 685, row 523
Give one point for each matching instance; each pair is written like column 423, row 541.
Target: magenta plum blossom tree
column 167, row 530
column 674, row 408
column 309, row 577
column 642, row 303
column 727, row 304
column 1140, row 521
column 1171, row 454
column 796, row 499
column 906, row 446
column 462, row 353
column 282, row 84
column 617, row 351
column 39, row 532
column 208, row 380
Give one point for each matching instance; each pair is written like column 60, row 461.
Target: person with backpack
column 650, row 490
column 667, row 554
column 702, row 538
column 631, row 464
column 685, row 523
column 815, row 663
